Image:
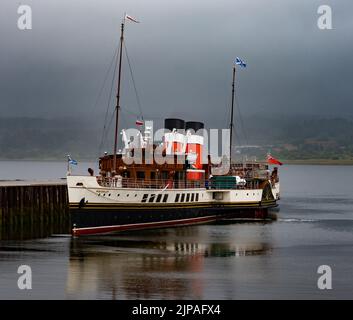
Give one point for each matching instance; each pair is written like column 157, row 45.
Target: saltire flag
column 239, row 62
column 139, row 122
column 272, row 160
column 131, row 18
column 71, row 161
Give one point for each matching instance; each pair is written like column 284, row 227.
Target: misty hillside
column 286, row 137
column 29, row 138
column 303, row 137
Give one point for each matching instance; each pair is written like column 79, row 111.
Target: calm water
column 218, row 261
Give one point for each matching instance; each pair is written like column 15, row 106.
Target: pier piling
column 26, row 206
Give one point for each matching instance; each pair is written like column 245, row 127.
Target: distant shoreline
column 320, row 162
column 347, row 162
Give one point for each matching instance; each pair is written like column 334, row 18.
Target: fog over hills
column 295, row 94
column 181, row 54
column 296, row 137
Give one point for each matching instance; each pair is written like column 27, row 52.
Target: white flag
column 131, row 18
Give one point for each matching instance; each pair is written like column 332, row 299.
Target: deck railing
column 120, row 182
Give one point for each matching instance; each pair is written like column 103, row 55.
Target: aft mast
column 241, row 63
column 231, row 116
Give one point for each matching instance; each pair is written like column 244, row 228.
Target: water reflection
column 161, row 264
column 36, row 230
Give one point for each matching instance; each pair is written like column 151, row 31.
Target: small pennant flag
column 131, row 18
column 272, row 160
column 239, row 62
column 139, row 122
column 71, row 161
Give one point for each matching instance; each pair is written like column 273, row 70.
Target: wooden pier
column 27, row 206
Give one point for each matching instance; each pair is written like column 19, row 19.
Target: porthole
column 127, row 195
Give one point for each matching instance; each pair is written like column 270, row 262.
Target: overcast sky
column 181, row 53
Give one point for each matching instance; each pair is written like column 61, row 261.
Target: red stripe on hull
column 139, row 226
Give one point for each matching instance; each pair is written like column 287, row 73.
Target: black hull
column 98, row 219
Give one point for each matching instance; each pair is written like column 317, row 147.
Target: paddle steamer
column 183, row 190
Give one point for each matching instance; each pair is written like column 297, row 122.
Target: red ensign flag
column 273, row 160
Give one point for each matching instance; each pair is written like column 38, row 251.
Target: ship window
column 140, row 174
column 144, row 198
column 159, row 197
column 197, row 197
column 192, row 197
column 153, row 175
column 164, row 175
column 188, row 197
column 151, row 199
column 182, row 197
column 165, row 198
column 177, row 197
column 79, row 184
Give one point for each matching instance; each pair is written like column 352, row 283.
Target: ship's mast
column 231, row 117
column 118, row 98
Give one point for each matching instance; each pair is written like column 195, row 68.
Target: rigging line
column 133, row 81
column 108, row 105
column 241, row 120
column 105, row 78
column 106, row 132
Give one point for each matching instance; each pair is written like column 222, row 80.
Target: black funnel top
column 172, row 123
column 195, row 125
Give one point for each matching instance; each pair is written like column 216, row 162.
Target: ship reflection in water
column 160, row 264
